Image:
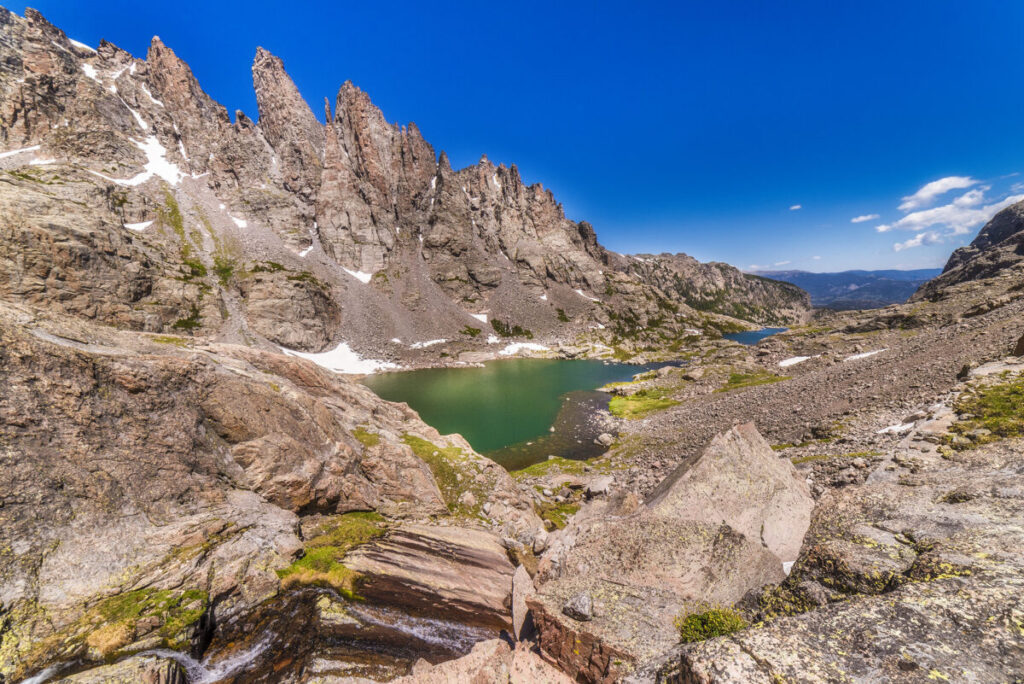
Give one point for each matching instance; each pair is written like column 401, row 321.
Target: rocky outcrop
column 723, row 289
column 640, row 573
column 909, row 577
column 139, row 669
column 147, row 481
column 739, row 481
column 998, row 247
column 440, row 572
column 288, row 125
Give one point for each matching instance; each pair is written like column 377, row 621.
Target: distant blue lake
column 753, row 336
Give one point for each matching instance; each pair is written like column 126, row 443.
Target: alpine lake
column 516, row 411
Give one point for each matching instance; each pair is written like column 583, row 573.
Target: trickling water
column 451, row 636
column 207, row 672
column 43, row 675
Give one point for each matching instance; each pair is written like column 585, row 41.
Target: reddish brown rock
column 441, row 572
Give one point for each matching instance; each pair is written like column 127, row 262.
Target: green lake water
column 506, row 408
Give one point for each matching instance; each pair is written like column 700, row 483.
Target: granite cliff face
column 165, row 213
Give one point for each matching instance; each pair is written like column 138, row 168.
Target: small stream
column 312, row 633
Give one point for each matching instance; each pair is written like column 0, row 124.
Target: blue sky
column 682, row 126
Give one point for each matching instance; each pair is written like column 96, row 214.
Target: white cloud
column 926, row 238
column 865, row 217
column 926, row 194
column 816, row 258
column 796, row 207
column 959, row 217
column 782, row 263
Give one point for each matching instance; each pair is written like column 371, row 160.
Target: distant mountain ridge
column 857, row 289
column 720, row 288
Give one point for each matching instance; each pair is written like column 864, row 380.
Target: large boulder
column 921, row 577
column 640, row 573
column 739, row 481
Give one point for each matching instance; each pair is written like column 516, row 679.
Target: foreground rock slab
column 136, row 670
column 738, row 480
column 445, row 572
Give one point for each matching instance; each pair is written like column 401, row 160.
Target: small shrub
column 224, row 267
column 712, row 623
column 505, row 330
column 190, row 323
column 562, row 316
column 196, row 268
column 471, row 331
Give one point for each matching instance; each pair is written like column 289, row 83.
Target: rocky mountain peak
column 288, row 124
column 998, row 248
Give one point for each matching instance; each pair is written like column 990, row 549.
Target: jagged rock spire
column 288, row 124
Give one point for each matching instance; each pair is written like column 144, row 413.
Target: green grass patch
column 791, row 445
column 175, row 610
column 741, row 380
column 620, row 354
column 558, row 513
column 321, row 564
column 711, row 623
column 641, row 404
column 998, row 408
column 471, row 331
column 170, row 339
column 452, row 473
column 797, row 460
column 565, row 466
column 368, row 439
column 562, row 315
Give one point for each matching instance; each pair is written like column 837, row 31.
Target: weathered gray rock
column 600, row 486
column 739, row 481
column 640, row 573
column 135, row 670
column 894, row 562
column 522, row 589
column 579, row 607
